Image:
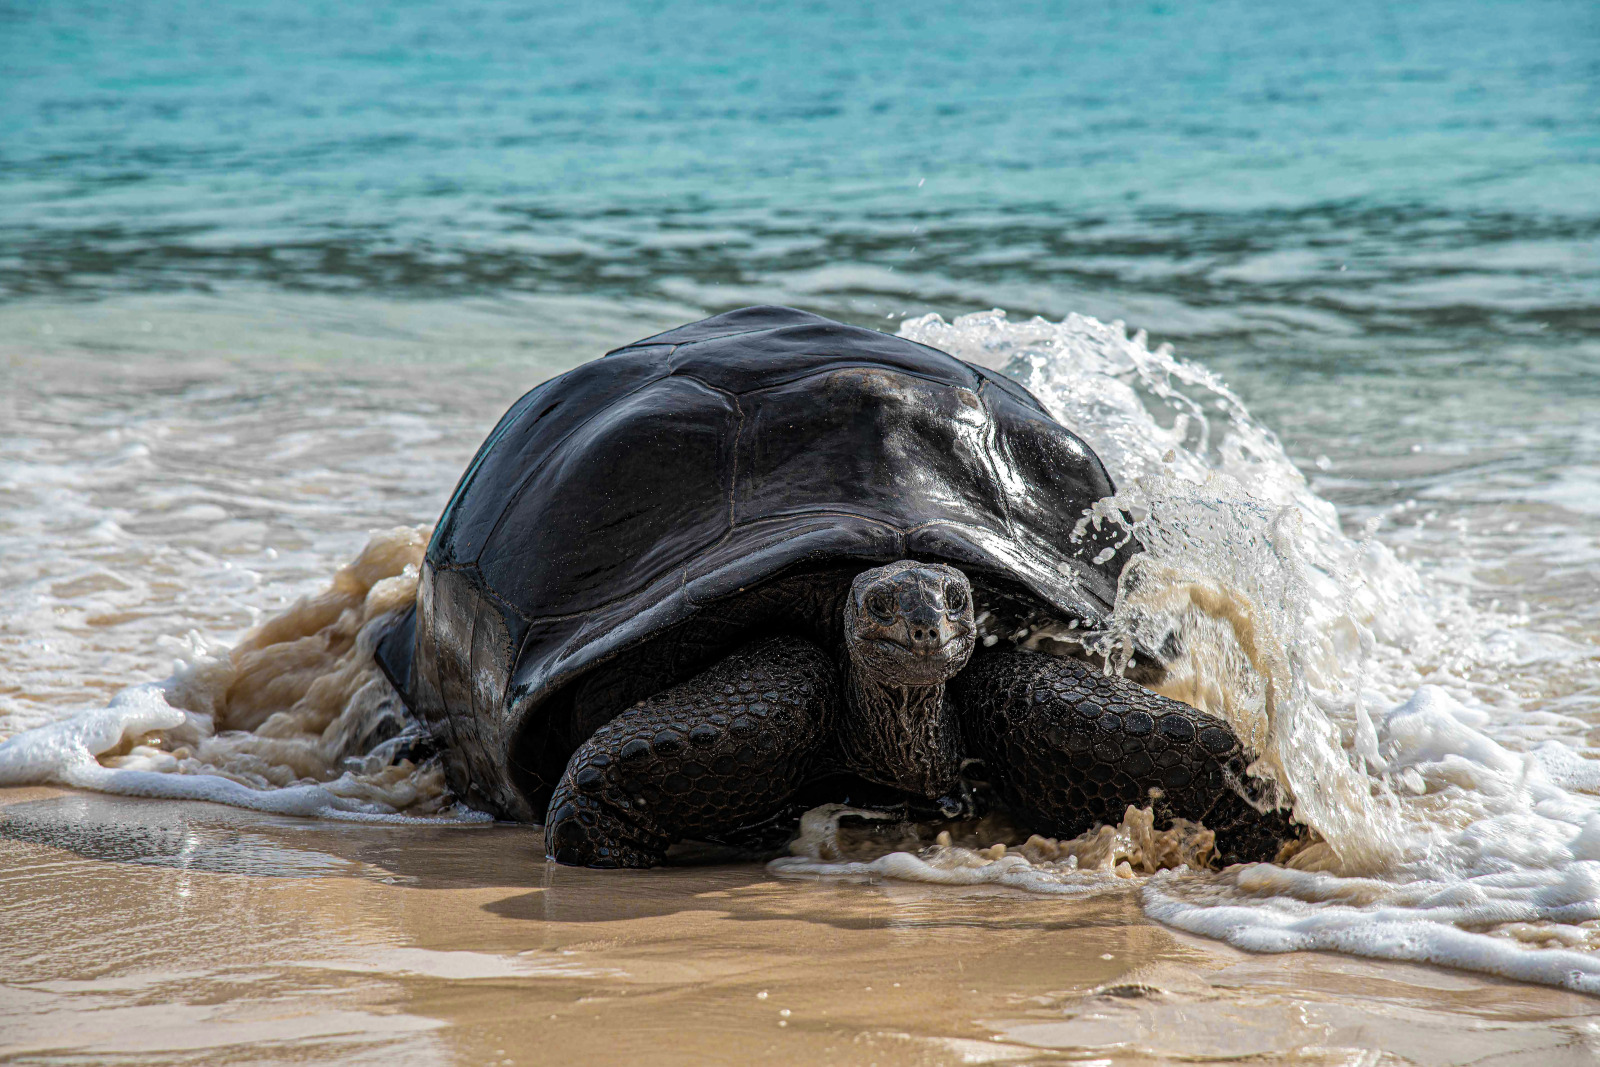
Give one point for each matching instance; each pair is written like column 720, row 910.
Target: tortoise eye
column 881, row 605
column 955, row 598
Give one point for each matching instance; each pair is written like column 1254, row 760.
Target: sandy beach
column 153, row 932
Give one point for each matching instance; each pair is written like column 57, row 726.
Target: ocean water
column 267, row 276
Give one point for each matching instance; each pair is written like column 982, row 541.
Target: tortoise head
column 910, row 623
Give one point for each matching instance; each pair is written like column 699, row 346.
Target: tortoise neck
column 905, row 736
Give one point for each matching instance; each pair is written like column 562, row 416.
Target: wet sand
column 158, row 932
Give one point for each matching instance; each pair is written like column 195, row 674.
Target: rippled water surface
column 1212, row 170
column 268, row 274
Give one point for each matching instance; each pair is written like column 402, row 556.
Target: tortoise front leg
column 711, row 756
column 1069, row 748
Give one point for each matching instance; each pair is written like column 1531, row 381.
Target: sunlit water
column 254, row 326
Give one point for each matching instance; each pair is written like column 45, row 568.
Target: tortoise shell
column 651, row 487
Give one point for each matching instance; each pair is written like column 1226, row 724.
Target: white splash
column 1452, row 826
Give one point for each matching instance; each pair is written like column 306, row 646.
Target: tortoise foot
column 719, row 753
column 1068, row 748
column 580, row 832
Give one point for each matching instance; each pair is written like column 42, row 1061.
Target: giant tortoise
column 766, row 560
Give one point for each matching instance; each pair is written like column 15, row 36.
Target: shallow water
column 186, row 933
column 249, row 320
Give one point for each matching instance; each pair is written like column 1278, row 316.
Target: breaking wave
column 1451, row 826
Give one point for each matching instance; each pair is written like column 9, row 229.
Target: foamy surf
column 1102, row 859
column 295, row 719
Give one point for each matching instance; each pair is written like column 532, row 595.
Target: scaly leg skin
column 720, row 752
column 1069, row 748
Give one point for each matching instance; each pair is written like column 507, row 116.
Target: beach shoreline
column 166, row 932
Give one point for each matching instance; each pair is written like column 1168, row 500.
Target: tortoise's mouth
column 890, row 662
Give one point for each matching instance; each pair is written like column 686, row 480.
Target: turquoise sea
column 1354, row 177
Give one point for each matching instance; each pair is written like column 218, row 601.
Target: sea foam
column 294, row 719
column 1451, row 825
